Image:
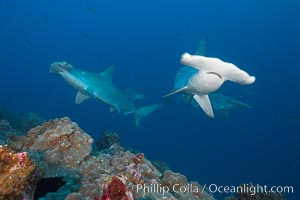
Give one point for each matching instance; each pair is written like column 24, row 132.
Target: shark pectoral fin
column 176, row 91
column 80, row 97
column 107, row 74
column 112, row 109
column 204, row 103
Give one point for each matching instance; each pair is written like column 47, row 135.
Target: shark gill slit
column 215, row 73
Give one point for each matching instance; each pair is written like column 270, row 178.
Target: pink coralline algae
column 116, row 189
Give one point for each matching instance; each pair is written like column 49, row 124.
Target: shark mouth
column 215, row 73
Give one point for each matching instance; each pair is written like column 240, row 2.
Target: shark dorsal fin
column 201, row 48
column 107, row 74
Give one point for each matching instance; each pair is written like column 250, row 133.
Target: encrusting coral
column 18, row 175
column 113, row 173
column 106, row 140
column 61, row 141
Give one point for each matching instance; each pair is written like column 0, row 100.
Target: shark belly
column 113, row 97
column 203, row 83
column 75, row 81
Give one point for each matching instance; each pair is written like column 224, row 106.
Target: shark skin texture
column 202, row 76
column 101, row 88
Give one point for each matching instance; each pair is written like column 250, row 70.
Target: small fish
column 84, row 35
column 146, row 58
column 28, row 42
column 11, row 6
column 90, row 9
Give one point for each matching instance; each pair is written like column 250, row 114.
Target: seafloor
column 56, row 159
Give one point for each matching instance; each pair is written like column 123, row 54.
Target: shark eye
column 215, row 73
column 182, row 55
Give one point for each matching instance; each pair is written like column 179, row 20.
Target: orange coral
column 17, row 178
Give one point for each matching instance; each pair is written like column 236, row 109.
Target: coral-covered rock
column 28, row 121
column 182, row 189
column 110, row 174
column 173, row 180
column 63, row 142
column 62, row 145
column 5, row 128
column 161, row 165
column 106, row 140
column 18, row 175
column 20, row 123
column 115, row 189
column 139, row 176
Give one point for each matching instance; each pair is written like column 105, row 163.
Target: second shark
column 101, row 88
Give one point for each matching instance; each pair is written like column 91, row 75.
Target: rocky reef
column 14, row 124
column 59, row 150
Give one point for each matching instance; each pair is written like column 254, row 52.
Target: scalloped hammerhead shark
column 206, row 76
column 101, row 88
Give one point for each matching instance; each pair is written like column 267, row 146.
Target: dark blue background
column 145, row 40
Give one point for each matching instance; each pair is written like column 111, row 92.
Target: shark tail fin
column 140, row 113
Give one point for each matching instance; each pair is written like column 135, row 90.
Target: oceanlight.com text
column 249, row 189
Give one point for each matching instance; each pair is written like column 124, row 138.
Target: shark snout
column 58, row 67
column 185, row 57
column 250, row 80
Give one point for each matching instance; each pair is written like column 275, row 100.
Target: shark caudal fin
column 140, row 113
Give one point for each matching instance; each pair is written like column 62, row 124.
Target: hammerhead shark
column 101, row 88
column 224, row 104
column 207, row 75
column 219, row 101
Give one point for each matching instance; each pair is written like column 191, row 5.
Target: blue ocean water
column 145, row 39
